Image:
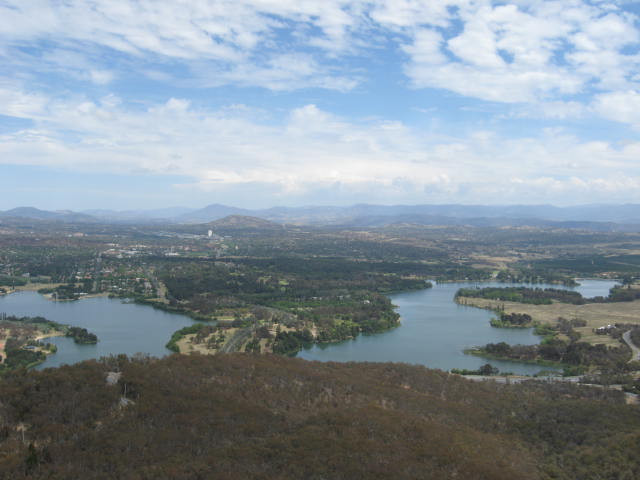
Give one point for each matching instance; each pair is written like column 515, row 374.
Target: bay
column 121, row 327
column 435, row 331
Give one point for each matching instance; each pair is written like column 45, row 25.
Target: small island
column 527, row 295
column 81, row 335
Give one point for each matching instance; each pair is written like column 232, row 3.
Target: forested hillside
column 264, row 417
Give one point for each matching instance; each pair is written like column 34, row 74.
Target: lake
column 121, row 327
column 435, row 331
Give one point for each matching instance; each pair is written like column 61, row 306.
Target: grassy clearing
column 489, row 261
column 595, row 314
column 34, row 287
column 186, row 345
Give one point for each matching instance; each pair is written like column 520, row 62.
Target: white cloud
column 426, row 48
column 556, row 110
column 101, row 77
column 410, row 13
column 277, row 72
column 20, row 104
column 597, row 50
column 550, row 59
column 619, row 106
column 527, row 52
column 509, row 85
column 229, row 40
column 314, row 150
column 523, row 51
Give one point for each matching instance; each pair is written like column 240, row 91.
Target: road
column 626, row 336
column 520, row 378
column 235, row 342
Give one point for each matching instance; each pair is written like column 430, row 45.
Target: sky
column 124, row 104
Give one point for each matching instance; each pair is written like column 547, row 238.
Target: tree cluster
column 536, row 296
column 257, row 417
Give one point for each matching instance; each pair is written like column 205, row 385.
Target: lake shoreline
column 122, row 328
column 420, row 346
column 427, row 316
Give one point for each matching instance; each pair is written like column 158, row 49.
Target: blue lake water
column 121, row 327
column 435, row 331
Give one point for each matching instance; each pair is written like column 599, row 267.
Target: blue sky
column 135, row 104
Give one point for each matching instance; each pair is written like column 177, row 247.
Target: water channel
column 434, row 332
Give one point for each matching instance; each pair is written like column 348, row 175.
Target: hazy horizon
column 129, row 105
column 326, row 205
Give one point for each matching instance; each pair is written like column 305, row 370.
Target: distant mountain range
column 66, row 216
column 592, row 217
column 368, row 214
column 135, row 215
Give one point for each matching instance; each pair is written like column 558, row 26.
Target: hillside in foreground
column 264, row 417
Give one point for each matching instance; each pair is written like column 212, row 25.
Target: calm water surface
column 435, row 331
column 120, row 327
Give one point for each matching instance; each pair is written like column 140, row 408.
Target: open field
column 187, row 345
column 34, row 287
column 595, row 314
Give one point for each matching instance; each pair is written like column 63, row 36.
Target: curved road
column 626, row 336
